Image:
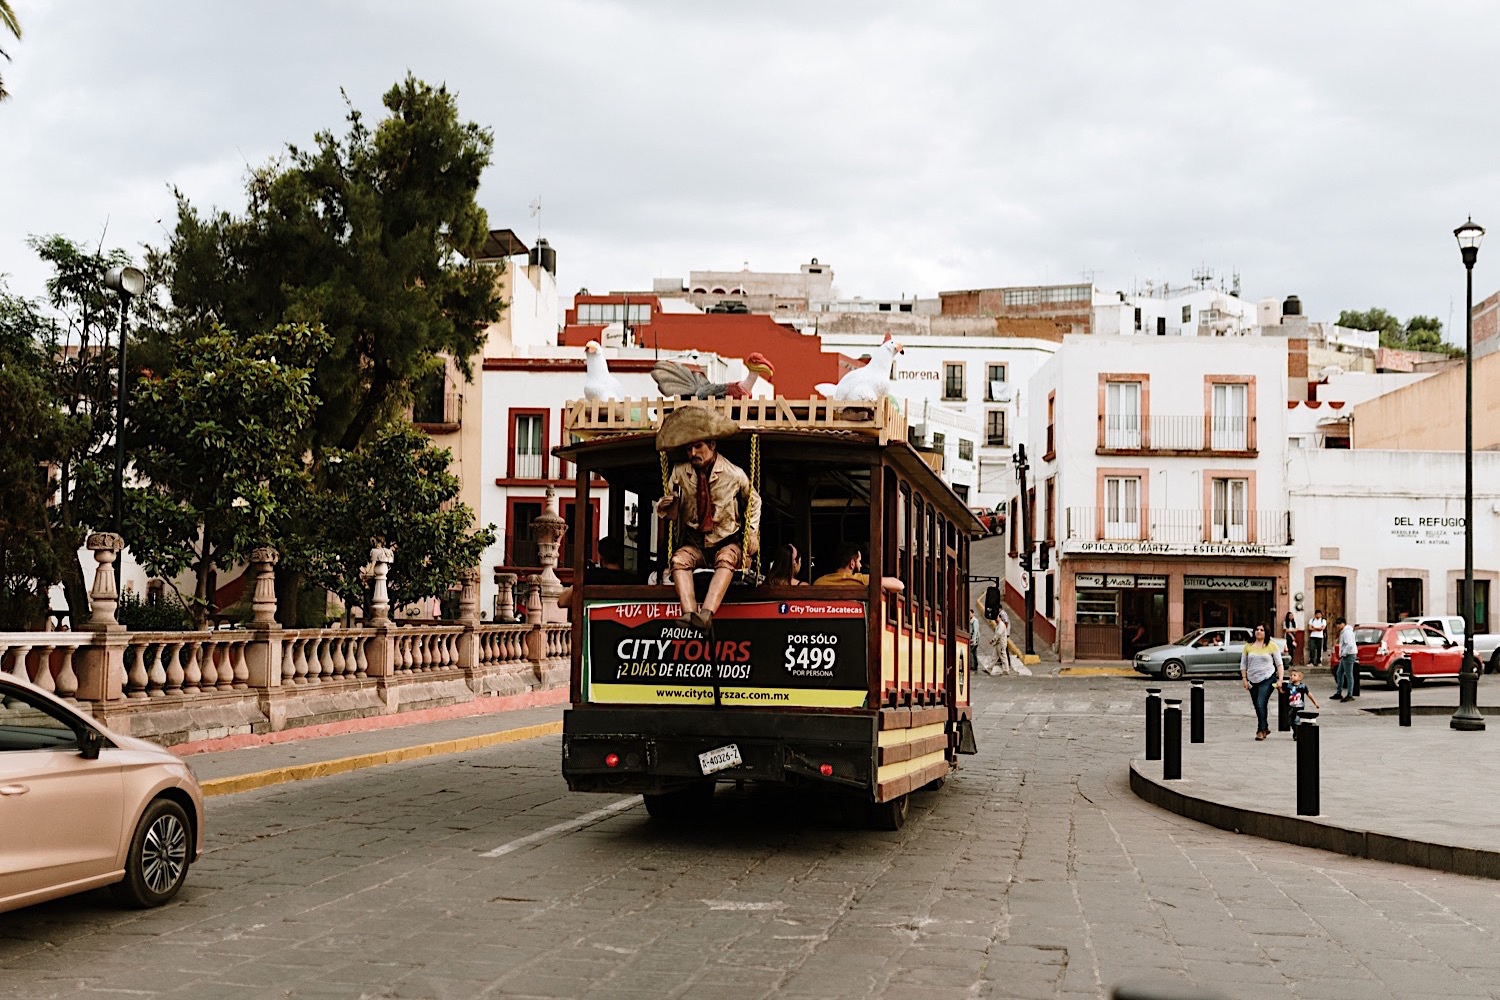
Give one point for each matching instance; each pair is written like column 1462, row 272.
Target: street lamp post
column 1467, row 717
column 1022, row 466
column 128, row 283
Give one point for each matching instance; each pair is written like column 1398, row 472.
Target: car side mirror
column 90, row 742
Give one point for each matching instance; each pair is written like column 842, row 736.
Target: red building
column 800, row 361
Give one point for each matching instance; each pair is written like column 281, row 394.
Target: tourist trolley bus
column 849, row 688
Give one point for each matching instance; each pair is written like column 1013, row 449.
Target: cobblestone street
column 1033, row 873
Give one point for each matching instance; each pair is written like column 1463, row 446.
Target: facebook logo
column 783, row 608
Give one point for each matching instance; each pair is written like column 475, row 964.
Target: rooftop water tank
column 1292, row 306
column 544, row 255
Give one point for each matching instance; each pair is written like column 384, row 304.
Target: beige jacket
column 727, row 484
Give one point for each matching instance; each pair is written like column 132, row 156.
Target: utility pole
column 1021, row 468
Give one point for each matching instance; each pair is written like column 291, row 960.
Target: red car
column 1389, row 650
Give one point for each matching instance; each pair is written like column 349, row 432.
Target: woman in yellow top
column 1260, row 671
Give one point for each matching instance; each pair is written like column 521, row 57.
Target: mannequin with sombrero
column 703, row 496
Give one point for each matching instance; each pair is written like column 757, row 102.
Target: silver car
column 82, row 807
column 1206, row 651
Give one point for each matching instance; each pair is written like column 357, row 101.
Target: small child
column 1296, row 691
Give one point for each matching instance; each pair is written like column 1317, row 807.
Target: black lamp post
column 127, row 282
column 1022, row 466
column 1467, row 718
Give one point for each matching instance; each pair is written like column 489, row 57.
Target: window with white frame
column 1122, row 507
column 530, row 449
column 994, row 381
column 994, row 428
column 1122, row 415
column 1231, row 510
column 1231, row 416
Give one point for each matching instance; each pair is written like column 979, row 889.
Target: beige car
column 81, row 807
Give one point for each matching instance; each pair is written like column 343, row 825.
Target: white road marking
column 729, row 904
column 573, row 824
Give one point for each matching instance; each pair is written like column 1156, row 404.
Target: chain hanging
column 755, row 492
column 666, row 485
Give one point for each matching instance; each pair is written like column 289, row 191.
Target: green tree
column 9, row 22
column 1420, row 333
column 371, row 235
column 214, row 446
column 78, row 335
column 396, row 488
column 36, row 432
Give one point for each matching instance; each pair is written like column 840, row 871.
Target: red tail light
column 611, row 760
column 826, row 770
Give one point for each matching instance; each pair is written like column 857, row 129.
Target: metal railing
column 1180, row 526
column 1132, row 432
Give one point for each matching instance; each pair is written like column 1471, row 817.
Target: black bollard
column 1403, row 698
column 1153, row 723
column 1307, row 764
column 1171, row 754
column 1355, row 682
column 1196, row 726
column 1283, row 710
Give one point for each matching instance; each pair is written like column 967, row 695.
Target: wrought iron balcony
column 1130, row 433
column 1193, row 526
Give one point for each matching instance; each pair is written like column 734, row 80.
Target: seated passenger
column 851, row 562
column 786, row 566
column 609, row 570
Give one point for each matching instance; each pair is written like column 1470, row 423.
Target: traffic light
column 992, row 602
column 1043, row 551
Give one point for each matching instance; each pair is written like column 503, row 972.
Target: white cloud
column 1324, row 150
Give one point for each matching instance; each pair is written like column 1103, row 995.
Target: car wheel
column 160, row 852
column 1173, row 670
column 1393, row 675
column 890, row 815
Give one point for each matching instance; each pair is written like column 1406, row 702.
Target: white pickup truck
column 1486, row 644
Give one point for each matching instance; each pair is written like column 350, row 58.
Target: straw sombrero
column 687, row 424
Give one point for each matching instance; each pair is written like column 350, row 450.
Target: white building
column 970, row 390
column 1182, row 311
column 1156, row 483
column 1381, row 534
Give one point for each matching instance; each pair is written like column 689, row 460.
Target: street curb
column 1307, row 831
column 1097, row 672
column 324, row 768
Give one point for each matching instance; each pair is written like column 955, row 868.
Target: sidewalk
column 242, row 763
column 1423, row 796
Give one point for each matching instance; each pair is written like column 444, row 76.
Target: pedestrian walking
column 1317, row 629
column 1348, row 661
column 1260, row 670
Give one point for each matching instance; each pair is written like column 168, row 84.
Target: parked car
column 1388, row 650
column 1205, row 651
column 82, row 807
column 1486, row 644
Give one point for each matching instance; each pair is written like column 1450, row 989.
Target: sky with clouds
column 1325, row 150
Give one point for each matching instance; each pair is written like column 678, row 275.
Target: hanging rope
column 666, row 484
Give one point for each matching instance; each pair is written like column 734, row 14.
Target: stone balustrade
column 176, row 687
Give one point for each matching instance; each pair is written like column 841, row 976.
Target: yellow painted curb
column 324, row 768
column 1031, row 659
column 1097, row 672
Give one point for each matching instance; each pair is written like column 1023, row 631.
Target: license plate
column 718, row 760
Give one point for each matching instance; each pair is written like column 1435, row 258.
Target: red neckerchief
column 705, row 501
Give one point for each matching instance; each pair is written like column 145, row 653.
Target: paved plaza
column 1036, row 872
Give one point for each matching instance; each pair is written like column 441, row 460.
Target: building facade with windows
column 1155, row 487
column 1381, row 534
column 982, row 380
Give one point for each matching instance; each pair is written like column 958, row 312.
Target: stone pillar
column 548, row 529
column 505, row 606
column 104, row 598
column 381, row 558
column 468, row 617
column 101, row 664
column 263, row 601
column 536, row 639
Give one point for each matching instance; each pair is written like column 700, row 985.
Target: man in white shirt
column 1348, row 661
column 1317, row 631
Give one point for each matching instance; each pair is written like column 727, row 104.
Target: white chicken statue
column 598, row 383
column 869, row 384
